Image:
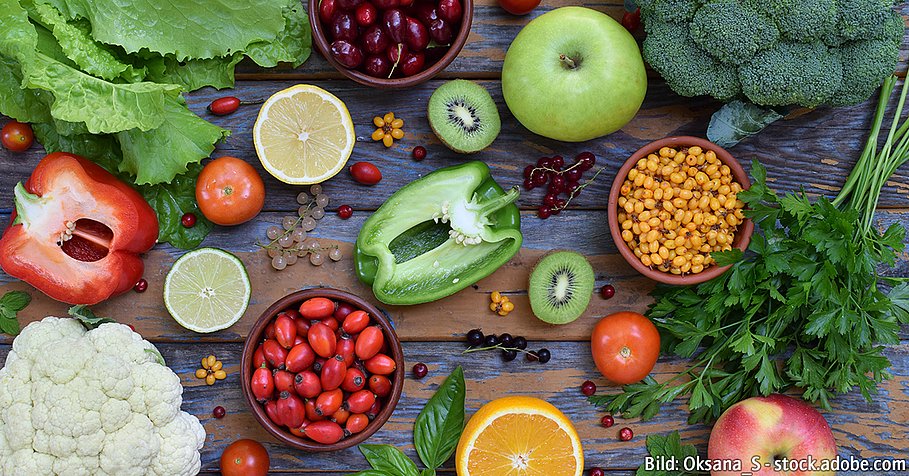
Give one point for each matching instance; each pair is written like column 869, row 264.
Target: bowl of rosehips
column 322, row 370
column 390, row 43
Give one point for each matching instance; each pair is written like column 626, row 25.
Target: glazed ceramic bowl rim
column 321, row 41
column 742, row 236
column 295, row 299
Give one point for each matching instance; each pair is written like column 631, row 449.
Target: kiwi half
column 464, row 116
column 560, row 287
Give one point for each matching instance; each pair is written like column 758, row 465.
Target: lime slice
column 207, row 290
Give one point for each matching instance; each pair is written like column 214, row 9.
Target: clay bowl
column 293, row 301
column 320, row 38
column 742, row 235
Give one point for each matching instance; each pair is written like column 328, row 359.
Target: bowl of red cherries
column 390, row 43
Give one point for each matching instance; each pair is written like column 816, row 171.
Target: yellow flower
column 388, row 129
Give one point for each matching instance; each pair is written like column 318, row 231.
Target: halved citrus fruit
column 207, row 290
column 303, row 135
column 519, row 436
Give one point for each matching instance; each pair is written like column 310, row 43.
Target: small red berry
column 219, row 412
column 607, row 291
column 544, row 212
column 597, row 472
column 140, row 286
column 345, row 212
column 625, row 434
column 419, row 153
column 224, row 106
column 607, row 421
column 131, row 327
column 188, row 220
column 420, row 370
column 588, row 388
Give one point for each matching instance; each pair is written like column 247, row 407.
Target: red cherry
column 544, row 212
column 345, row 212
column 419, row 153
column 188, row 220
column 607, row 291
column 607, row 421
column 549, row 199
column 219, row 412
column 366, row 14
column 528, row 185
column 597, row 472
column 588, row 388
column 625, row 434
column 141, row 286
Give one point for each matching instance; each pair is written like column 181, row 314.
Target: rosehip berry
column 420, row 370
column 419, row 153
column 345, row 212
column 219, row 412
column 625, row 434
column 141, row 286
column 224, row 106
column 607, row 421
column 597, row 472
column 607, row 291
column 588, row 388
column 188, row 220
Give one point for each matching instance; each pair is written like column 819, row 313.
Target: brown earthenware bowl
column 293, row 301
column 320, row 38
column 742, row 235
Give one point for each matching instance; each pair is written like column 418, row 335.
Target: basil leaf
column 371, row 472
column 438, row 427
column 88, row 318
column 737, row 121
column 171, row 201
column 389, row 459
column 428, row 472
column 10, row 304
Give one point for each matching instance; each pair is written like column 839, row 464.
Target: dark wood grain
column 814, row 151
column 871, row 430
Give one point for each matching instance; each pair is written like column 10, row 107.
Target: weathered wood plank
column 870, row 430
column 814, row 151
column 583, row 231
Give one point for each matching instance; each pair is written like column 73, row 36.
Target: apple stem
column 568, row 62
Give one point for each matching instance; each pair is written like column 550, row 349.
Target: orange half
column 519, row 436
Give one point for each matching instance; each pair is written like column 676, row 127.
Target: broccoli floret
column 688, row 69
column 865, row 65
column 862, row 19
column 800, row 20
column 669, row 10
column 731, row 31
column 807, row 74
column 893, row 30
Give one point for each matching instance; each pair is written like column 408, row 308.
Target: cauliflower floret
column 92, row 403
column 181, row 440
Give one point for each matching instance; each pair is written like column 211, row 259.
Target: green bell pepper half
column 438, row 235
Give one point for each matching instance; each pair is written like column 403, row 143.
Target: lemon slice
column 303, row 135
column 207, row 290
column 519, row 436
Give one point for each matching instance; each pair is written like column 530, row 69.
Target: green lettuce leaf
column 24, row 105
column 159, row 155
column 77, row 44
column 293, row 44
column 171, row 201
column 102, row 149
column 185, row 29
column 194, row 74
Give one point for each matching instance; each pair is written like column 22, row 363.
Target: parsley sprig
column 805, row 308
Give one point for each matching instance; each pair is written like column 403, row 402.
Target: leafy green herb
column 668, row 448
column 737, row 121
column 805, row 308
column 10, row 304
column 436, row 433
column 171, row 201
column 88, row 318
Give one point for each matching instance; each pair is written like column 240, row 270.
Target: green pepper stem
column 27, row 204
column 500, row 202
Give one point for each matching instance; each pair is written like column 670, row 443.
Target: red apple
column 762, row 430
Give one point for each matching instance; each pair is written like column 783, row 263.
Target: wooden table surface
column 814, row 151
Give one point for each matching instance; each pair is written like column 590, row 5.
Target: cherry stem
column 494, row 347
column 400, row 49
column 582, row 187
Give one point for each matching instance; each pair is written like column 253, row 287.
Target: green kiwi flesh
column 464, row 116
column 560, row 287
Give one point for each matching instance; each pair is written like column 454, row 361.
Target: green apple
column 574, row 74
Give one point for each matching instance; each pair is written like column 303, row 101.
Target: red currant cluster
column 567, row 181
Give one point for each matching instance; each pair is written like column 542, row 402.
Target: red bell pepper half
column 77, row 231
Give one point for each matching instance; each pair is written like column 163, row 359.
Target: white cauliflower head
column 77, row 402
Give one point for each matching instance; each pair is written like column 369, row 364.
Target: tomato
column 519, row 7
column 17, row 136
column 300, row 357
column 229, row 191
column 285, row 331
column 370, row 342
column 355, row 322
column 244, row 458
column 333, row 373
column 354, row 380
column 356, row 423
column 322, row 339
column 307, row 384
column 625, row 347
column 365, row 173
column 361, row 401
